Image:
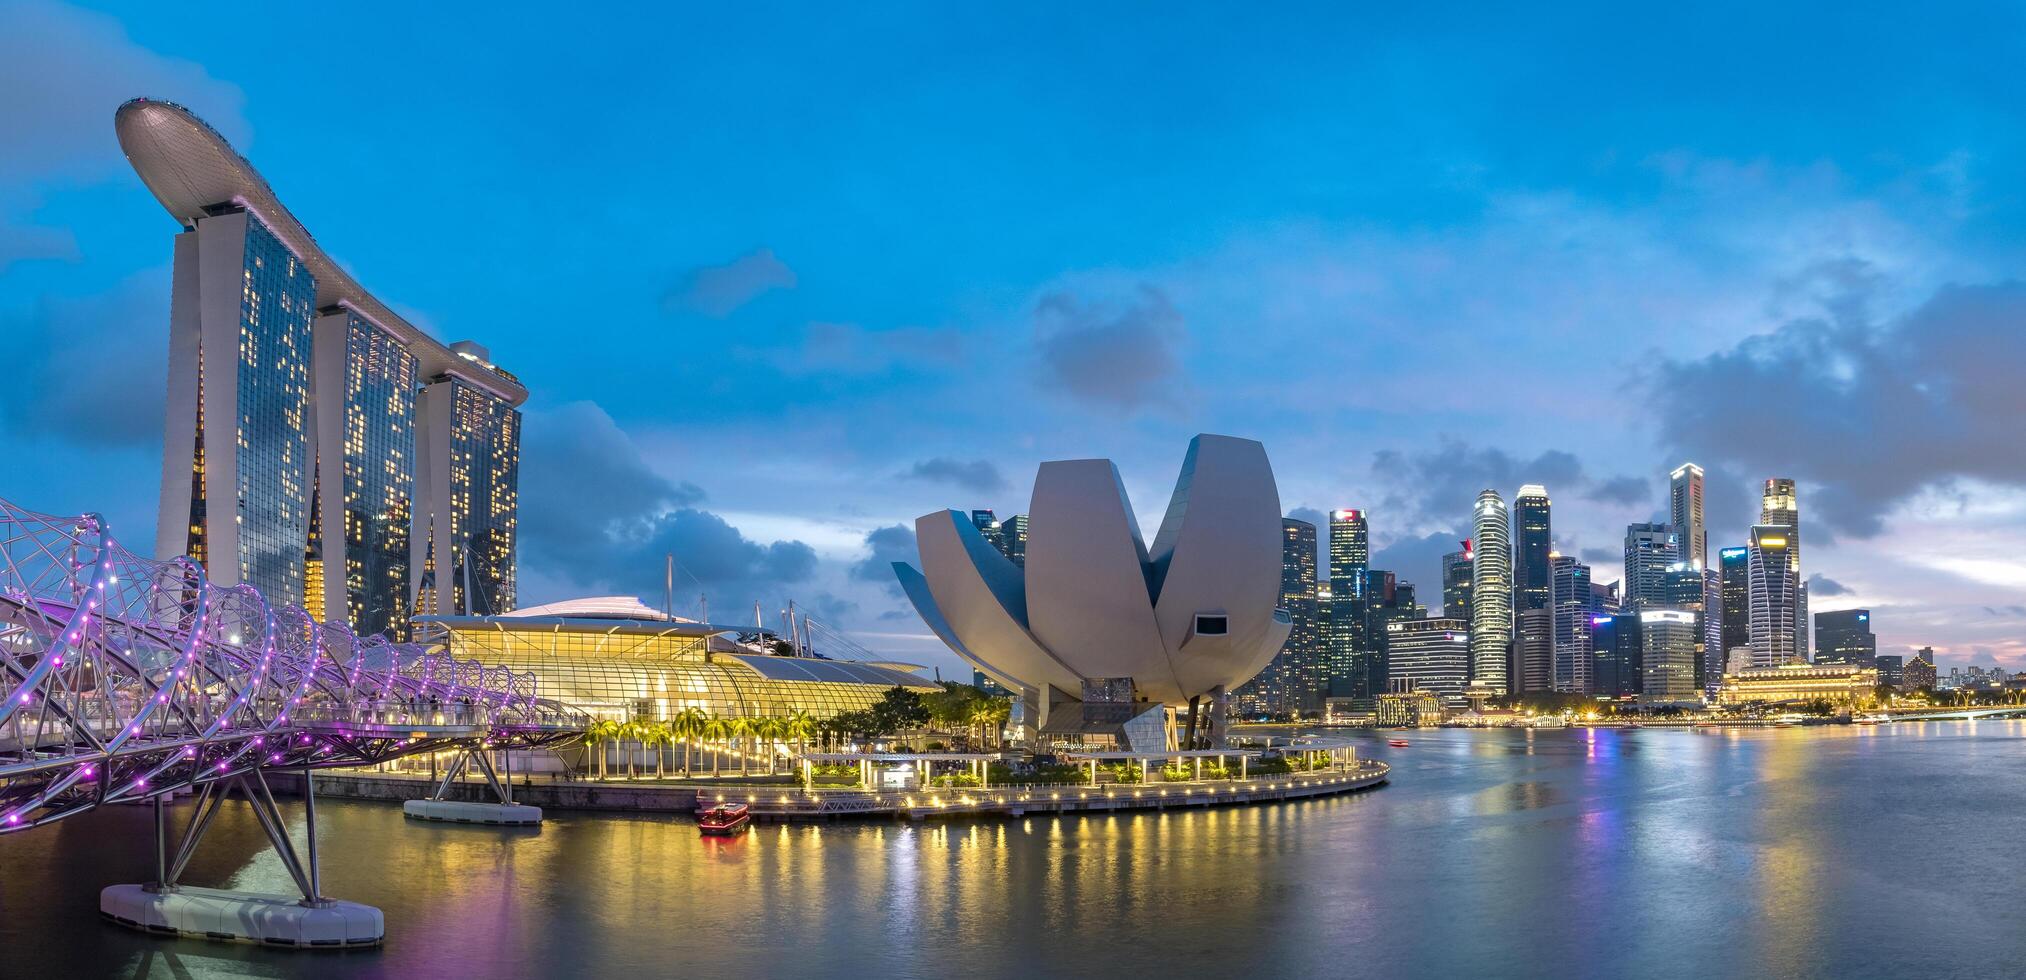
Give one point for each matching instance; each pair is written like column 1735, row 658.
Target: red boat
column 1398, row 743
column 724, row 820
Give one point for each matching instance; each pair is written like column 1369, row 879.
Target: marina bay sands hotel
column 319, row 446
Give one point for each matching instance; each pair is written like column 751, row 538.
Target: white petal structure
column 1196, row 615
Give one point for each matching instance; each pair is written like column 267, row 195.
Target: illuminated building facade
column 1650, row 550
column 1685, row 513
column 1668, row 644
column 1293, row 682
column 1846, row 684
column 652, row 669
column 1534, row 651
column 1491, row 594
column 1780, row 506
column 1430, row 655
column 1734, row 589
column 1570, row 600
column 1772, row 580
column 1013, row 540
column 1844, row 637
column 1456, row 583
column 1533, row 542
column 1350, row 560
column 468, row 498
column 296, row 455
column 1618, row 655
column 1920, row 671
column 1891, row 669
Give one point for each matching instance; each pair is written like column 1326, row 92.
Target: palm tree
column 656, row 733
column 688, row 726
column 799, row 725
column 771, row 731
column 716, row 730
column 630, row 731
column 737, row 729
column 602, row 732
column 593, row 734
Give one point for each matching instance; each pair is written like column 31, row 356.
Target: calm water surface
column 1847, row 852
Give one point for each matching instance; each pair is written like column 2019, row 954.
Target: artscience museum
column 1111, row 642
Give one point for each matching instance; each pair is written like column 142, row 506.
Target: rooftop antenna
column 668, row 595
column 703, row 603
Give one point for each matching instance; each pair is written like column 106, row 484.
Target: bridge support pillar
column 504, row 812
column 164, row 907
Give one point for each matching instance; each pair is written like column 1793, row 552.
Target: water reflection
column 1556, row 853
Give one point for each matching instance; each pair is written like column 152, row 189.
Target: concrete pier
column 270, row 920
column 459, row 811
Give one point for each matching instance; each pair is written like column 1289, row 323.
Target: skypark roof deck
column 194, row 172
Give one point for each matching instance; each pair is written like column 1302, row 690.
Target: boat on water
column 724, row 820
column 1398, row 743
column 1873, row 719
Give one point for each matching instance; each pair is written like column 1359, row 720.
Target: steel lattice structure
column 123, row 678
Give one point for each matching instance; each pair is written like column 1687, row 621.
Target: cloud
column 1109, row 354
column 886, row 545
column 718, row 290
column 1864, row 415
column 1438, row 486
column 1320, row 519
column 1419, row 560
column 847, row 348
column 1822, row 586
column 90, row 370
column 1598, row 557
column 595, row 516
column 975, row 475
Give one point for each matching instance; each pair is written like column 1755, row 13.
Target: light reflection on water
column 1656, row 852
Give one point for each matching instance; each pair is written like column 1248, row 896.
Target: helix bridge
column 127, row 679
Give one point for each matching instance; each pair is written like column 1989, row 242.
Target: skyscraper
column 1013, row 542
column 468, row 441
column 1571, row 602
column 1350, row 555
column 1780, row 506
column 1534, row 651
column 1650, row 550
column 1491, row 594
column 1685, row 512
column 1456, row 572
column 1844, row 637
column 1534, row 539
column 987, row 524
column 1735, row 588
column 1292, row 682
column 1432, row 654
column 1684, row 591
column 1668, row 639
column 299, row 455
column 1891, row 669
column 1772, row 586
column 1617, row 656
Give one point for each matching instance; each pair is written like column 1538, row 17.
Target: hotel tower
column 318, row 446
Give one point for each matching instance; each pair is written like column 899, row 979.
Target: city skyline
column 756, row 294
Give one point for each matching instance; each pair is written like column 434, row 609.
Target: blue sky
column 783, row 279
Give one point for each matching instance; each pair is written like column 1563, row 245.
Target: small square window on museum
column 1212, row 625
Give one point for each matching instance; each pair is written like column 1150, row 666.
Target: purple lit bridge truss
column 123, row 678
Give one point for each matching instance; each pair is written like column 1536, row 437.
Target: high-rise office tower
column 1714, row 654
column 1533, row 541
column 1650, row 550
column 1618, row 659
column 1684, row 591
column 1456, row 574
column 1432, row 654
column 1919, row 672
column 1350, row 556
column 1491, row 594
column 1891, row 669
column 1735, row 589
column 1844, row 637
column 1668, row 641
column 1780, row 506
column 1571, row 602
column 1290, row 684
column 1013, row 541
column 1772, row 586
column 1534, row 651
column 987, row 524
column 301, row 432
column 1685, row 512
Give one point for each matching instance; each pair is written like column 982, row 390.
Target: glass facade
column 485, row 461
column 277, row 305
column 379, row 492
column 648, row 672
